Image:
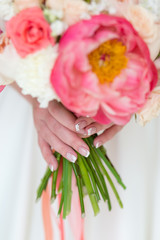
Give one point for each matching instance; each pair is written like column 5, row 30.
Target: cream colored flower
column 143, row 21
column 145, row 24
column 151, row 109
column 72, row 9
column 33, row 75
column 22, row 4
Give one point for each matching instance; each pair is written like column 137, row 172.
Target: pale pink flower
column 78, row 82
column 72, row 9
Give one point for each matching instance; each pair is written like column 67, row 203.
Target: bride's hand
column 91, row 127
column 55, row 127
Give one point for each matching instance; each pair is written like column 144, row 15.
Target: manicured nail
column 91, row 131
column 71, row 157
column 83, row 151
column 79, row 126
column 51, row 167
column 98, row 144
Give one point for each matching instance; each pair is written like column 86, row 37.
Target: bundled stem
column 88, row 184
column 89, row 173
column 79, row 185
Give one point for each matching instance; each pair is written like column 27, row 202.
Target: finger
column 81, row 123
column 107, row 135
column 56, row 144
column 68, row 137
column 47, row 154
column 96, row 128
column 62, row 115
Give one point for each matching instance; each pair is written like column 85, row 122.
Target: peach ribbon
column 75, row 220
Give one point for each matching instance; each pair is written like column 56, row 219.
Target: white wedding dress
column 135, row 153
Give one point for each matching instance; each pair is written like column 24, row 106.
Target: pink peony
column 103, row 70
column 29, row 31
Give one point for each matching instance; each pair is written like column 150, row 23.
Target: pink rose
column 29, row 31
column 103, row 70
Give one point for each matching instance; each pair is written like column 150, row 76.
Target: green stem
column 65, row 186
column 98, row 182
column 111, row 168
column 54, row 180
column 60, row 188
column 109, row 180
column 107, row 162
column 102, row 181
column 96, row 157
column 69, row 191
column 79, row 184
column 44, row 182
column 61, row 204
column 88, row 185
column 92, row 178
column 103, row 150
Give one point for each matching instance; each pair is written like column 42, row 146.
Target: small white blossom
column 152, row 5
column 52, row 14
column 7, row 10
column 96, row 8
column 58, row 27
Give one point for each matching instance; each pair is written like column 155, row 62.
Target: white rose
column 151, row 109
column 72, row 9
column 144, row 23
column 32, row 73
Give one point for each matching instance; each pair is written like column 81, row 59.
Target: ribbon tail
column 75, row 219
column 46, row 212
column 61, row 222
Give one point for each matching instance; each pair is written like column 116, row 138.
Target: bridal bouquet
column 97, row 58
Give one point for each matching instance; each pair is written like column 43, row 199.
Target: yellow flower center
column 108, row 60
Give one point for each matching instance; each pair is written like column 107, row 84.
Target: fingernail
column 79, row 126
column 51, row 167
column 71, row 157
column 83, row 151
column 98, row 144
column 91, row 131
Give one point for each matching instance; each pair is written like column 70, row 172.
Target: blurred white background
column 135, row 152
